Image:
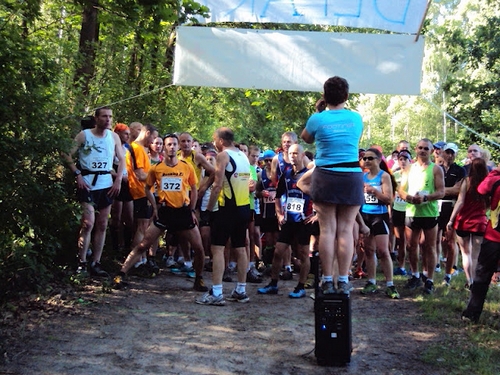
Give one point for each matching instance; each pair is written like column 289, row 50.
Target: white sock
column 344, row 279
column 241, row 287
column 217, row 290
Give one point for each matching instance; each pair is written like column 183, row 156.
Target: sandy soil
column 154, row 327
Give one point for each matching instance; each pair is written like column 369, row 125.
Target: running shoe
column 199, row 285
column 400, row 272
column 153, row 266
column 238, row 297
column 309, row 284
column 413, row 283
column 96, row 270
column 300, row 293
column 142, row 271
column 119, row 283
column 184, row 270
column 170, row 262
column 328, row 288
column 391, row 292
column 344, row 288
column 81, row 270
column 268, row 289
column 209, row 299
column 428, row 287
column 359, row 274
column 227, row 275
column 438, row 268
column 253, row 276
column 446, row 281
column 369, row 288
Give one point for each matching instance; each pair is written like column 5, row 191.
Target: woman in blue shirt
column 337, row 180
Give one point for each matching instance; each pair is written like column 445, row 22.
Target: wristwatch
column 425, row 198
column 77, row 172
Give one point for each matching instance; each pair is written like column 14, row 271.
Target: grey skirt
column 337, row 187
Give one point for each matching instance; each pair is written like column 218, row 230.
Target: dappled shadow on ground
column 154, row 327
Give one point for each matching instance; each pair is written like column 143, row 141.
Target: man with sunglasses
column 421, row 189
column 453, row 176
column 438, row 149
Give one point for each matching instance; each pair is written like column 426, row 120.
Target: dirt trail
column 154, row 327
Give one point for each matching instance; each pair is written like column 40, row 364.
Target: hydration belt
column 95, row 173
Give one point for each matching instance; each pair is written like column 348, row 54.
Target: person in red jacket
column 489, row 254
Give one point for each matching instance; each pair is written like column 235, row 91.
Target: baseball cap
column 451, row 146
column 405, row 153
column 439, row 144
column 268, row 154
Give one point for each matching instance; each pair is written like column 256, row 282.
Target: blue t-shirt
column 337, row 134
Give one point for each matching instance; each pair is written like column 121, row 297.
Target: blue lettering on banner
column 403, row 18
column 239, row 5
column 294, row 8
column 332, row 8
column 356, row 14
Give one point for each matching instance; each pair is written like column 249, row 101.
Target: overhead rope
column 461, row 124
column 133, row 97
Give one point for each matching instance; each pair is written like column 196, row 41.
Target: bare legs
column 336, row 222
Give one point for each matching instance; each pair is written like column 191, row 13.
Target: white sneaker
column 209, row 299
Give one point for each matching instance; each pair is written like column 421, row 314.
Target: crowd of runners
column 249, row 214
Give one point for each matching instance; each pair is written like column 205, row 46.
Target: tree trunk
column 89, row 36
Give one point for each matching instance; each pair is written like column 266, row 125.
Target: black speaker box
column 333, row 330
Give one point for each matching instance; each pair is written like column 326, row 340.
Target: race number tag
column 426, row 192
column 397, row 199
column 100, row 164
column 171, row 183
column 295, row 205
column 270, row 199
column 370, row 199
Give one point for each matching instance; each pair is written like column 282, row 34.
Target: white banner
column 401, row 16
column 297, row 60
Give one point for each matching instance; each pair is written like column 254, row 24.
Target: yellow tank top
column 234, row 191
column 191, row 160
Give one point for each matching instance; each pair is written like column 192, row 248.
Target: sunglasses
column 370, row 158
column 423, row 148
column 268, row 160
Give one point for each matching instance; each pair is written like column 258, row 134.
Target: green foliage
column 33, row 207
